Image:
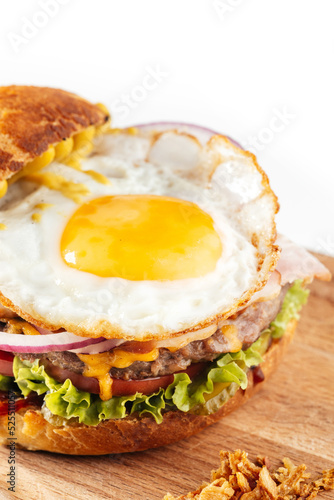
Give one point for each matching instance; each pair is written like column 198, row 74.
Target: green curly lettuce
column 66, row 401
column 295, row 298
column 228, row 368
column 5, row 383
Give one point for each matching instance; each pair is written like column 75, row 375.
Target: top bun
column 34, row 118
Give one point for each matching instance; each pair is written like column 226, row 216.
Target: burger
column 144, row 290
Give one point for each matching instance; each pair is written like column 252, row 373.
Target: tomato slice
column 149, row 385
column 87, row 384
column 6, row 363
column 119, row 387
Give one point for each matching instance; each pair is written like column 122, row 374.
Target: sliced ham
column 270, row 291
column 295, row 263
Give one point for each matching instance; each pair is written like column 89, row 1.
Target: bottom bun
column 132, row 433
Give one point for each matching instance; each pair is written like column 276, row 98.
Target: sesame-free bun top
column 34, row 118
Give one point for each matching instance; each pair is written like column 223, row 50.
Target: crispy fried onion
column 240, row 479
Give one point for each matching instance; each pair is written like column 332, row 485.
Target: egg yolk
column 141, row 237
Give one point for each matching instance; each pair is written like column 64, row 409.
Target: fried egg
column 159, row 234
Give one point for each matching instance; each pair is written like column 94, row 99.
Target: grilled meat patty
column 250, row 322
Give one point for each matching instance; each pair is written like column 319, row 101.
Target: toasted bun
column 34, row 118
column 33, row 432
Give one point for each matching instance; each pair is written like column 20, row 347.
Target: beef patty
column 250, row 322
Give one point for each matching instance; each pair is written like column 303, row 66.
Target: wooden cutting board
column 293, row 415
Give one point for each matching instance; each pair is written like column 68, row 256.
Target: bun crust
column 34, row 118
column 33, row 432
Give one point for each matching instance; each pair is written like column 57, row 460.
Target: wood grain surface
column 293, row 415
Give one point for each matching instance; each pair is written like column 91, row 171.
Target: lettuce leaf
column 5, row 382
column 295, row 298
column 228, row 368
column 65, row 400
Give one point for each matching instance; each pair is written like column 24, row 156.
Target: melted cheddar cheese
column 97, row 176
column 217, row 388
column 99, row 365
column 3, row 188
column 63, row 149
column 43, row 206
column 35, row 165
column 231, row 333
column 73, row 190
column 36, row 217
column 81, row 146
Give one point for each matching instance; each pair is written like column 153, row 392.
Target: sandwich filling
column 199, row 377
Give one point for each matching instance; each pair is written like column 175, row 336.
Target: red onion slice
column 203, row 134
column 63, row 341
column 43, row 331
column 103, row 346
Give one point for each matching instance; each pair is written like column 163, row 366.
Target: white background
column 235, row 66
